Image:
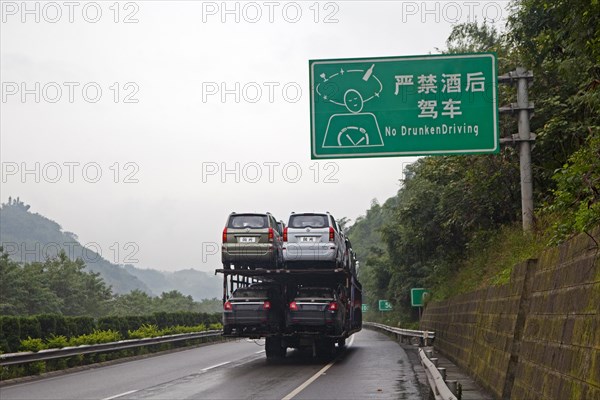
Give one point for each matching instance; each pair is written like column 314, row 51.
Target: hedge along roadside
column 14, row 329
column 16, row 365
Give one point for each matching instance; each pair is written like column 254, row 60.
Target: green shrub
column 30, row 327
column 34, row 345
column 57, row 342
column 96, row 337
column 144, row 331
column 10, row 328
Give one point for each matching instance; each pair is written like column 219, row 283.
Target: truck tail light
column 333, row 306
column 331, row 234
column 270, row 234
column 285, row 235
column 225, row 235
column 267, row 305
column 293, row 306
column 227, row 306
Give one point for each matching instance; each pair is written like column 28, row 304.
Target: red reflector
column 333, row 306
column 267, row 305
column 331, row 234
column 227, row 306
column 293, row 306
column 285, row 234
column 225, row 235
column 270, row 234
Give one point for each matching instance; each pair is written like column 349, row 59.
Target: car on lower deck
column 255, row 309
column 317, row 309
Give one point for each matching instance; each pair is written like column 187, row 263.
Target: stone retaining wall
column 537, row 337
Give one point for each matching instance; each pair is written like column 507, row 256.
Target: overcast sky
column 120, row 115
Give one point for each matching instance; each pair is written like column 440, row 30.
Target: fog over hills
column 31, row 237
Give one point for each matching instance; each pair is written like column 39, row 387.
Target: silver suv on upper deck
column 314, row 240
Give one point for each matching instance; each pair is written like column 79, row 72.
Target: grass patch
column 491, row 259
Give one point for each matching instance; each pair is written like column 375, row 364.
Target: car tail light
column 267, row 305
column 285, row 234
column 225, row 235
column 331, row 234
column 333, row 306
column 270, row 234
column 293, row 306
column 227, row 306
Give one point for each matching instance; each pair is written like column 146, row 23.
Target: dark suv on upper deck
column 251, row 240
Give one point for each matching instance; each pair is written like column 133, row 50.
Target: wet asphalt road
column 371, row 367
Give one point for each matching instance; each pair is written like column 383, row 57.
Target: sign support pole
column 524, row 138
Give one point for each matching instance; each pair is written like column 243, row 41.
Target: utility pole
column 524, row 138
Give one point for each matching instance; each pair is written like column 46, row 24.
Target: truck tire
column 274, row 348
column 325, row 348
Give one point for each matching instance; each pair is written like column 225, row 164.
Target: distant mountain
column 198, row 284
column 29, row 237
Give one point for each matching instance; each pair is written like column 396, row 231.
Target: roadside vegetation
column 455, row 223
column 51, row 331
column 60, row 285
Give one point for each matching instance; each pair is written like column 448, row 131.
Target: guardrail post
column 429, row 353
column 453, row 386
column 442, row 372
column 434, row 361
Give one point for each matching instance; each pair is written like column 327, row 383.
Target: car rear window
column 248, row 221
column 251, row 293
column 315, row 293
column 308, row 220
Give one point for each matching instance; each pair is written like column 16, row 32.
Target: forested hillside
column 455, row 224
column 29, row 237
column 46, row 270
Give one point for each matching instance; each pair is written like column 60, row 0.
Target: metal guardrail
column 50, row 354
column 426, row 337
column 437, row 382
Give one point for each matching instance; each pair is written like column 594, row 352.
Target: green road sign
column 404, row 106
column 418, row 296
column 364, row 307
column 385, row 305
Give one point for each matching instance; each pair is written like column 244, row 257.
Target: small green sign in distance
column 404, row 106
column 385, row 305
column 418, row 296
column 364, row 307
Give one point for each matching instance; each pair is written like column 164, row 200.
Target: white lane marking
column 261, row 351
column 313, row 378
column 215, row 366
column 119, row 395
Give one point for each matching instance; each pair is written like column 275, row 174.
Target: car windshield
column 248, row 221
column 315, row 293
column 308, row 220
column 250, row 293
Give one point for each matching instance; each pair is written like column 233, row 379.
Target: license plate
column 311, row 308
column 308, row 239
column 247, row 239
